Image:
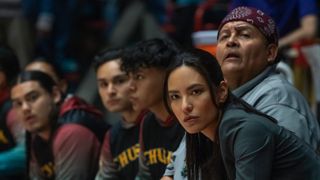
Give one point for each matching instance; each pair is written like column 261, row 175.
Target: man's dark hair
column 45, row 81
column 149, row 53
column 107, row 55
column 9, row 63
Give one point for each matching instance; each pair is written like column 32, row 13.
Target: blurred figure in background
column 12, row 133
column 53, row 22
column 52, row 70
column 132, row 21
column 14, row 30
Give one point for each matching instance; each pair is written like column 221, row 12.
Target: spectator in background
column 134, row 20
column 52, row 70
column 182, row 19
column 185, row 17
column 120, row 150
column 63, row 142
column 14, row 30
column 53, row 22
column 12, row 136
column 160, row 135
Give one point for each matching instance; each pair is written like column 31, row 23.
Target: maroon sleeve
column 76, row 152
column 108, row 168
column 106, row 151
column 144, row 171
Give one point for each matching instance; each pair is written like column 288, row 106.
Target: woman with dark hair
column 61, row 144
column 245, row 144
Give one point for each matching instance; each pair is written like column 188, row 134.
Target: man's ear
column 56, row 93
column 222, row 92
column 272, row 53
column 63, row 84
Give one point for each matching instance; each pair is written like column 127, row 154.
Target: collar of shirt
column 242, row 90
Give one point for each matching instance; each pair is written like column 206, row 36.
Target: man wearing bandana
column 247, row 49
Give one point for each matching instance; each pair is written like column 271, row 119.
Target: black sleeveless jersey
column 124, row 146
column 158, row 143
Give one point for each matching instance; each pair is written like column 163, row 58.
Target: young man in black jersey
column 160, row 134
column 120, row 151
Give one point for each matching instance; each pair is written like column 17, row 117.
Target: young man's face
column 147, row 87
column 114, row 86
column 33, row 105
column 242, row 51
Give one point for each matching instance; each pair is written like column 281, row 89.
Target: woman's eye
column 196, row 92
column 103, row 84
column 174, row 97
